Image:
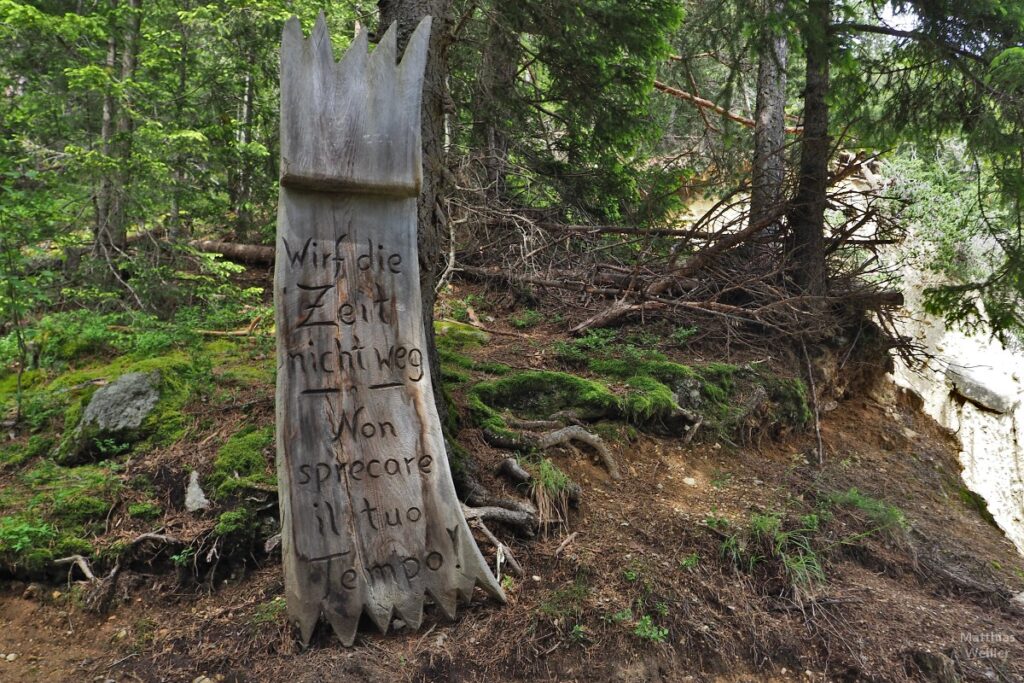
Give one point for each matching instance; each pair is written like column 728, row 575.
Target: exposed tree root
column 77, row 561
column 99, row 597
column 559, row 437
column 520, row 520
column 565, row 435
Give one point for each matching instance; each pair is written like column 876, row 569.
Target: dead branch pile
column 720, row 270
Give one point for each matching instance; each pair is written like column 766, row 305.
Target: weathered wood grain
column 370, row 521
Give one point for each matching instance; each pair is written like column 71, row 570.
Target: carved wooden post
column 369, row 517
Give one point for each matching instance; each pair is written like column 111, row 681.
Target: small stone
column 690, row 481
column 202, row 679
column 195, row 499
column 535, row 577
column 32, row 592
column 56, row 595
column 11, row 657
column 121, row 635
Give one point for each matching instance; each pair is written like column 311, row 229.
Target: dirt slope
column 665, row 578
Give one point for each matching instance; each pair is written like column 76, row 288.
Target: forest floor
column 675, row 573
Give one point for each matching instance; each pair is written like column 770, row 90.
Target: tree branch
column 912, row 35
column 708, row 104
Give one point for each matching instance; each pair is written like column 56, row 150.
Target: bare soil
column 889, row 600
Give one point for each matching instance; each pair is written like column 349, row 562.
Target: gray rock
column 195, row 499
column 116, row 413
column 123, row 404
column 985, row 387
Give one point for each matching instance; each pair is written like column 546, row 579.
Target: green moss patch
column 53, row 511
column 455, row 335
column 541, row 393
column 144, row 510
column 241, row 463
column 179, row 379
column 647, row 399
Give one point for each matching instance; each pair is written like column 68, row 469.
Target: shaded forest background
column 564, row 143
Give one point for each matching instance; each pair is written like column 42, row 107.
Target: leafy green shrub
column 646, row 629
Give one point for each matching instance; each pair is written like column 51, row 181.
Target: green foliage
column 270, row 612
column 15, row 454
column 690, row 561
column 566, row 87
column 526, row 319
column 881, row 515
column 771, row 539
column 548, row 476
column 241, row 463
column 181, row 559
column 681, row 336
column 976, row 503
column 646, row 629
column 578, row 352
column 52, row 511
column 566, row 602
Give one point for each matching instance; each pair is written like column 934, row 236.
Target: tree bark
column 104, row 194
column 432, row 229
column 494, row 84
column 112, row 228
column 769, row 168
column 807, row 218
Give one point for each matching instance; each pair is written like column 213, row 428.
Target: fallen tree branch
column 708, row 104
column 246, row 253
column 503, row 551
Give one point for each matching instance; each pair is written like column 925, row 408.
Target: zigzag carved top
column 351, row 125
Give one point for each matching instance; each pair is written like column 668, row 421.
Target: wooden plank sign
column 369, row 517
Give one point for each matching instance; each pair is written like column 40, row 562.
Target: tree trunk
column 494, row 85
column 769, row 168
column 176, row 231
column 807, row 218
column 104, row 194
column 432, row 230
column 112, row 225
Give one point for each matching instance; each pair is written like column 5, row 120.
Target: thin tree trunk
column 807, row 218
column 432, row 218
column 176, row 230
column 769, row 168
column 116, row 136
column 243, row 191
column 101, row 231
column 494, row 84
column 125, row 128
